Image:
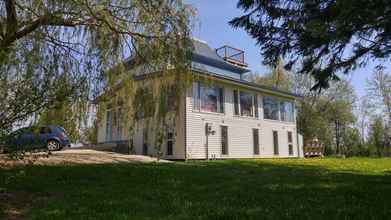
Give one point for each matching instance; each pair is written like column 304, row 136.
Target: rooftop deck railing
column 232, row 55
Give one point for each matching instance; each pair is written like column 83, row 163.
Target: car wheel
column 53, row 145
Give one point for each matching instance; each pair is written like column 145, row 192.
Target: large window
column 278, row 110
column 114, row 124
column 270, row 108
column 224, row 140
column 287, row 111
column 236, row 102
column 246, row 102
column 208, row 98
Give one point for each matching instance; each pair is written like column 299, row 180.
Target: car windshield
column 63, row 130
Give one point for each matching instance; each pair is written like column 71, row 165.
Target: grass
column 357, row 188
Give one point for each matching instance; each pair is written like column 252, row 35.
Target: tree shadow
column 203, row 190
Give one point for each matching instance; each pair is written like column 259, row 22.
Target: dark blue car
column 51, row 137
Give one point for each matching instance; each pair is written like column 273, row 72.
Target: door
column 43, row 136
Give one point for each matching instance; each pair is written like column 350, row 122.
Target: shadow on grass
column 263, row 189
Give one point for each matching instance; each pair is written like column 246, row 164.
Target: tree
column 363, row 113
column 377, row 133
column 353, row 143
column 326, row 115
column 379, row 88
column 327, row 36
column 339, row 113
column 42, row 42
column 311, row 123
column 277, row 78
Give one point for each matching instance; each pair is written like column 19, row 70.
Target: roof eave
column 264, row 89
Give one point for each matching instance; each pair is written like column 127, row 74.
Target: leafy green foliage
column 326, row 36
column 43, row 43
column 278, row 77
column 378, row 137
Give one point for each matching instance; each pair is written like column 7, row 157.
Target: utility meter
column 208, row 129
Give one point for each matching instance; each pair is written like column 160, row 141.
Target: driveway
column 80, row 156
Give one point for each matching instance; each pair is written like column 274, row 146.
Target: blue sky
column 212, row 26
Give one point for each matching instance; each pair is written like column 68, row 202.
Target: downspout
column 206, row 141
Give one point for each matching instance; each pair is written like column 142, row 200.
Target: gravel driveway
column 80, row 156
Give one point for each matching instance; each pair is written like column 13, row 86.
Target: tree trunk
column 337, row 137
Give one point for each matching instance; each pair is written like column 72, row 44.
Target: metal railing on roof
column 232, row 55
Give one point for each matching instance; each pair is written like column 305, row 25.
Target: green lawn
column 355, row 188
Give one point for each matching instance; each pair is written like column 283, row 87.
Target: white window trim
column 199, row 84
column 279, row 100
column 254, row 108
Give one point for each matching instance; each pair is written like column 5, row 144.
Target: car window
column 45, row 130
column 42, row 130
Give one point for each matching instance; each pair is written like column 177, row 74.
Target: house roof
column 204, row 54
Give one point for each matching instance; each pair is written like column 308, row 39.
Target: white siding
column 138, row 139
column 190, row 139
column 240, row 139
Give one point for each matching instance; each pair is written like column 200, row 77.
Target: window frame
column 276, row 101
column 280, row 106
column 290, row 142
column 170, row 150
column 197, row 98
column 238, row 104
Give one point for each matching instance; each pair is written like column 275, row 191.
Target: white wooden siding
column 240, row 139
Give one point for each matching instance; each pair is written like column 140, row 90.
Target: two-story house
column 231, row 118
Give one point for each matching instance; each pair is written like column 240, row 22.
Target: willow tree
column 43, row 41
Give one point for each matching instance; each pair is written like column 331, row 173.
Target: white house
column 231, row 118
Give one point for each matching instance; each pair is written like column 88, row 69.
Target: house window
column 270, row 108
column 278, row 110
column 120, row 121
column 256, row 141
column 208, row 98
column 236, row 102
column 109, row 125
column 275, row 142
column 287, row 111
column 170, row 142
column 290, row 143
column 144, row 103
column 224, row 140
column 246, row 104
column 196, row 96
